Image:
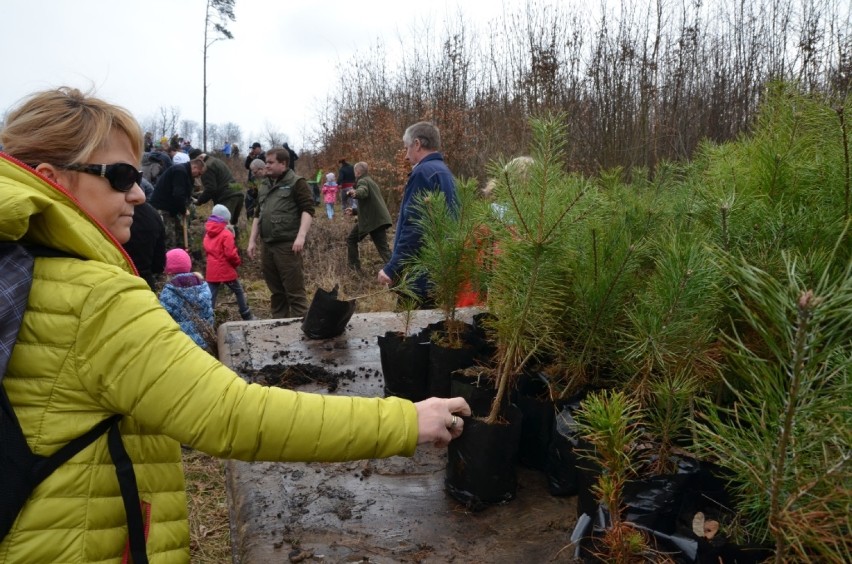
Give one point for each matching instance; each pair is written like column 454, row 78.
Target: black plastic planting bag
column 561, row 468
column 666, row 509
column 481, row 463
column 533, row 398
column 654, row 502
column 405, row 365
column 327, row 317
column 709, row 491
column 478, row 392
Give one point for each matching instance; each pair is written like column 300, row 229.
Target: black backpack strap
column 46, row 466
column 129, row 494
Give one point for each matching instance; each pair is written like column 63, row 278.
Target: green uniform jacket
column 95, row 342
column 280, row 204
column 219, row 184
column 372, row 210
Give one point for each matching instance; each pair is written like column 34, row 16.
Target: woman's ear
column 56, row 175
column 51, row 172
column 46, row 170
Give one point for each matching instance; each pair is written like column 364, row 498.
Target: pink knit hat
column 178, row 262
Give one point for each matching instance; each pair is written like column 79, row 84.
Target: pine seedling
column 786, row 438
column 781, row 188
column 539, row 205
column 608, row 420
column 448, row 254
column 407, row 300
column 604, row 277
column 673, row 329
column 667, row 417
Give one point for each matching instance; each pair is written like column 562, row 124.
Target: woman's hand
column 438, row 420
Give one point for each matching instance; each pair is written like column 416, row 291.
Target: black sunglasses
column 121, row 176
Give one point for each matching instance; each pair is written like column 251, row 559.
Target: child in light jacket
column 223, row 259
column 187, row 298
column 329, row 194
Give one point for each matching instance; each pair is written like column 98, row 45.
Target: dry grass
column 325, row 266
column 209, row 533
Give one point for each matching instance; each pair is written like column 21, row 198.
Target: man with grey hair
column 373, row 217
column 422, row 142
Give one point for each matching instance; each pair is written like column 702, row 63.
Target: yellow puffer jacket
column 95, row 342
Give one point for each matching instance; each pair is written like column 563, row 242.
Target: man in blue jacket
column 422, row 142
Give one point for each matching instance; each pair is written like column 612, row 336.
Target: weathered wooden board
column 393, row 510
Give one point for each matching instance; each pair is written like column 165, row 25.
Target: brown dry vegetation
column 645, row 83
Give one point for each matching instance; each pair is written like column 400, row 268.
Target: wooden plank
column 391, row 510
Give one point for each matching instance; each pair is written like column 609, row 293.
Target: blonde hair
column 65, row 126
column 519, row 166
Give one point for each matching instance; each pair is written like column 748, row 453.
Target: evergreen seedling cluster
column 711, row 298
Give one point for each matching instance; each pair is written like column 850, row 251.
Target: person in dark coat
column 147, row 244
column 172, row 195
column 373, row 217
column 256, row 152
column 220, row 186
column 282, row 221
column 422, row 143
column 293, row 157
column 154, row 163
column 346, row 181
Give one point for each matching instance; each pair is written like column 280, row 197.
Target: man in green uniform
column 220, row 186
column 282, row 220
column 373, row 217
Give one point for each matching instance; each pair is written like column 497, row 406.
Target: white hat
column 221, row 211
column 330, row 177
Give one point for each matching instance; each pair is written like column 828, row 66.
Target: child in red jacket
column 223, row 258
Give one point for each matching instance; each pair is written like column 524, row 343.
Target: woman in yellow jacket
column 95, row 342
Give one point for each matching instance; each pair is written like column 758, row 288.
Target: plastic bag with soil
column 561, row 467
column 405, row 365
column 481, row 463
column 327, row 316
column 533, row 399
column 681, row 514
column 478, row 391
column 707, row 514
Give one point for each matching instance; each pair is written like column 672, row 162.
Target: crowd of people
column 279, row 209
column 96, row 354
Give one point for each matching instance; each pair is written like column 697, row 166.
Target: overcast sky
column 148, row 54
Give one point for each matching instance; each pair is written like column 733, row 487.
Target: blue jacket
column 430, row 174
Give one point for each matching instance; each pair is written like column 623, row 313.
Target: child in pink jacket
column 329, row 194
column 223, row 258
